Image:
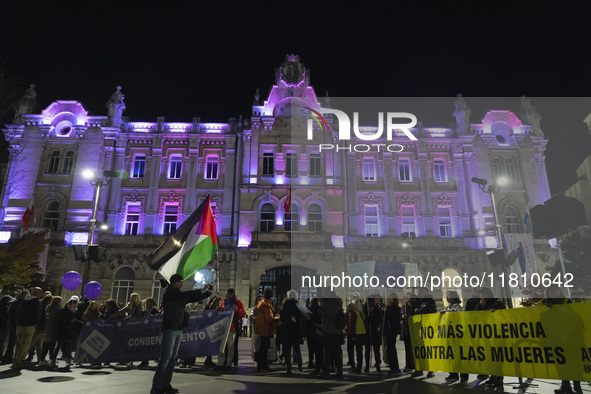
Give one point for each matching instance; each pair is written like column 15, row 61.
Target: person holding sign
column 454, row 305
column 489, row 302
column 175, row 319
column 424, row 304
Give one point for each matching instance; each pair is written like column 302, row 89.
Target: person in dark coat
column 289, row 333
column 175, row 319
column 488, row 301
column 406, row 311
column 68, row 328
column 374, row 320
column 316, row 335
column 424, row 304
column 331, row 311
column 28, row 317
column 392, row 328
column 4, row 304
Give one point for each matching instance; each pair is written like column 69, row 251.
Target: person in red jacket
column 226, row 355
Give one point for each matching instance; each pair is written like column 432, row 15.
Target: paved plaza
column 242, row 379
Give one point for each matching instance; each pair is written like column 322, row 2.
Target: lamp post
column 491, row 190
column 98, row 183
column 409, row 241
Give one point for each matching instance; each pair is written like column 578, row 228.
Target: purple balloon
column 71, row 280
column 92, row 290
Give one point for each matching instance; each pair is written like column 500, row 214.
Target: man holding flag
column 177, row 259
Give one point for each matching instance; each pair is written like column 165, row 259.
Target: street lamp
column 409, row 241
column 491, row 190
column 98, row 183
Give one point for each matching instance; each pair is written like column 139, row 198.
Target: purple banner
column 140, row 339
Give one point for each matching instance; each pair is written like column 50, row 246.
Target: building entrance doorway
column 280, row 280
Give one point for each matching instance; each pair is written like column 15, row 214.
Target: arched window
column 314, row 218
column 267, row 218
column 123, row 285
column 292, row 221
column 511, row 221
column 497, row 168
column 51, row 217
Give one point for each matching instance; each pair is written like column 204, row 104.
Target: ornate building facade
column 347, row 205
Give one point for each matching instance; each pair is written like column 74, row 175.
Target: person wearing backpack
column 333, row 324
column 289, row 333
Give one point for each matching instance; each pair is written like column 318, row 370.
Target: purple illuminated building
column 348, row 205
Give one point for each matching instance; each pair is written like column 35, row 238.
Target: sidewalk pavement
column 243, row 379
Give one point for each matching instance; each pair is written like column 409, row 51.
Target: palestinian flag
column 190, row 248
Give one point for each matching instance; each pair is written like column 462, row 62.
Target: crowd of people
column 37, row 323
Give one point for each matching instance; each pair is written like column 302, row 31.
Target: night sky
column 207, row 58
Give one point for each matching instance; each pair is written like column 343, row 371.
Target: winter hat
column 175, row 278
column 292, row 295
column 74, row 299
column 355, row 295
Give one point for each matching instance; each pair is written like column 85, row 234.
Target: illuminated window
column 268, row 164
column 444, row 222
column 439, row 170
column 510, row 168
column 54, row 162
column 314, row 218
column 267, row 218
column 511, row 221
column 211, row 167
column 496, row 166
column 404, row 173
column 171, row 216
column 68, row 162
column 408, row 220
column 51, row 217
column 315, row 165
column 175, row 166
column 132, row 219
column 291, row 165
column 139, row 166
column 123, row 285
column 371, row 221
column 369, row 169
column 292, row 222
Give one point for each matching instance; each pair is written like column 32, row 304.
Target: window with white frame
column 175, row 166
column 68, row 162
column 267, row 218
column 139, row 166
column 511, row 221
column 291, row 222
column 268, row 164
column 51, row 217
column 404, row 173
column 444, row 222
column 369, row 169
column 496, row 167
column 132, row 219
column 439, row 170
column 211, row 167
column 171, row 217
column 291, row 165
column 315, row 218
column 510, row 169
column 408, row 220
column 123, row 285
column 315, row 165
column 371, row 221
column 54, row 162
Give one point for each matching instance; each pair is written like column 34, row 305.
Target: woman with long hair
column 91, row 312
column 454, row 305
column 51, row 332
column 134, row 308
column 265, row 328
column 406, row 311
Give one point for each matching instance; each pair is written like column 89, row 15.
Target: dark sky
column 193, row 58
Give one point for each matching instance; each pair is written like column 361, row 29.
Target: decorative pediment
column 170, row 198
column 408, row 199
